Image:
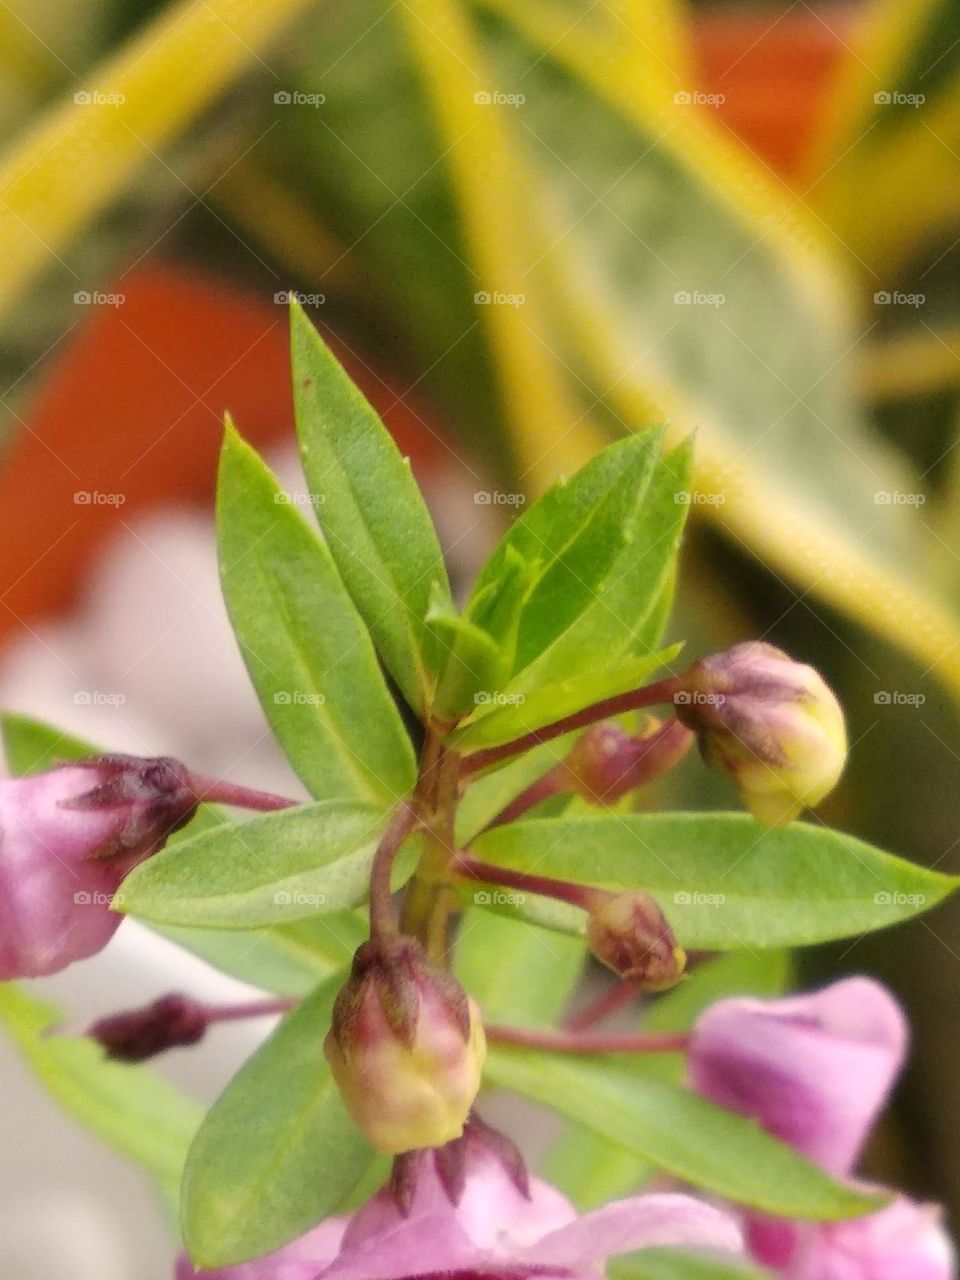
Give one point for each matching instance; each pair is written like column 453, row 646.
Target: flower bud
column 630, row 935
column 606, row 762
column 406, row 1048
column 137, row 1034
column 771, row 723
column 67, row 839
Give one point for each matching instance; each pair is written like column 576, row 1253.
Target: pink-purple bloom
column 496, row 1232
column 67, row 839
column 815, row 1071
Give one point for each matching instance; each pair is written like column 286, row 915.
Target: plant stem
column 219, row 791
column 577, row 1042
column 649, row 696
column 612, row 998
column 383, row 918
column 578, row 895
column 548, row 784
column 265, row 1008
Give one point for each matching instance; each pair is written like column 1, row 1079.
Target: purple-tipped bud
column 67, row 839
column 137, row 1034
column 771, row 723
column 406, row 1048
column 630, row 935
column 606, row 762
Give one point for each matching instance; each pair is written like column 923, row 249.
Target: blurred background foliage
column 529, row 226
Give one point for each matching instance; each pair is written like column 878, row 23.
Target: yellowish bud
column 406, row 1048
column 630, row 935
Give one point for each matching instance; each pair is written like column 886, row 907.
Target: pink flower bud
column 67, row 839
column 406, row 1048
column 137, row 1034
column 606, row 762
column 771, row 723
column 630, row 935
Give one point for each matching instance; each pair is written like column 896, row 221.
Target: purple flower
column 67, row 839
column 495, row 1232
column 815, row 1071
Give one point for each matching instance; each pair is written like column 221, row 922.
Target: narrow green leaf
column 576, row 532
column 371, row 511
column 289, row 959
column 283, row 866
column 472, row 664
column 516, row 972
column 130, row 1108
column 672, row 1264
column 678, row 1131
column 725, row 882
column 309, row 655
column 277, row 1153
column 515, row 714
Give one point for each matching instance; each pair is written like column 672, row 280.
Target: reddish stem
column 612, row 998
column 578, row 895
column 577, row 1042
column 219, row 791
column 649, row 696
column 383, row 918
column 265, row 1008
column 548, row 784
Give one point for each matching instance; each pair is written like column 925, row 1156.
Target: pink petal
column 641, row 1222
column 905, row 1241
column 814, row 1070
column 302, row 1259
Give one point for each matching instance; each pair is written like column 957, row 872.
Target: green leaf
column 515, row 714
column 472, row 664
column 516, row 972
column 492, row 791
column 305, row 861
column 372, row 513
column 624, row 616
column 289, row 959
column 130, row 1108
column 309, row 655
column 277, row 1153
column 575, row 533
column 672, row 1264
column 724, row 881
column 688, row 1137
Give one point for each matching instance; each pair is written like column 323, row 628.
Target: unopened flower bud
column 67, row 839
column 137, row 1034
column 630, row 935
column 771, row 723
column 406, row 1048
column 606, row 762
